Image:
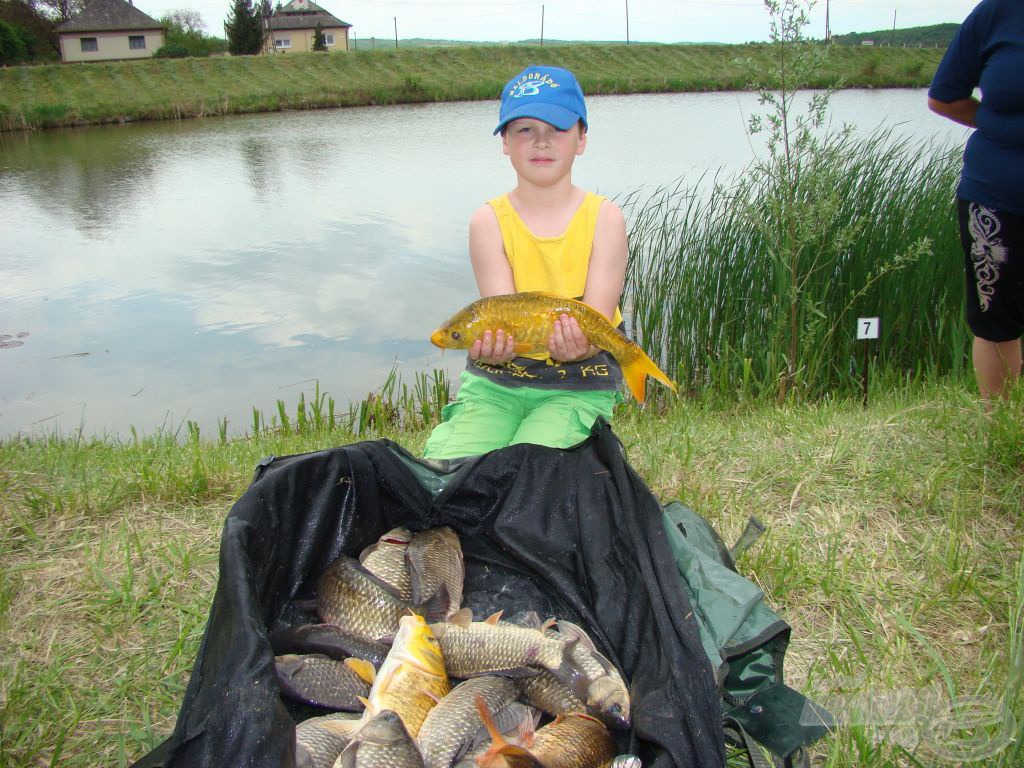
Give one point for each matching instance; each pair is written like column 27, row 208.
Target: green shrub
column 172, row 51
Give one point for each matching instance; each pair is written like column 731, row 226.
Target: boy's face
column 539, row 151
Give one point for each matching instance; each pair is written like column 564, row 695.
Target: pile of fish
column 417, row 682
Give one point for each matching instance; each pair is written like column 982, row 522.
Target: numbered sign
column 867, row 328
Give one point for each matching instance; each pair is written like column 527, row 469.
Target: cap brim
column 563, row 119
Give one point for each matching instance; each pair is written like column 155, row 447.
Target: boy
column 544, row 235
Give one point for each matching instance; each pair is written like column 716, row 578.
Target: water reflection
column 194, row 270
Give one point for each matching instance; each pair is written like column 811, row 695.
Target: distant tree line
column 934, row 36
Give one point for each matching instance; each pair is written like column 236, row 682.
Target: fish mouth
column 437, row 338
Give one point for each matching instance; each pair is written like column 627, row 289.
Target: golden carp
column 412, row 678
column 529, row 318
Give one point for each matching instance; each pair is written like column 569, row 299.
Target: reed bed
column 711, row 293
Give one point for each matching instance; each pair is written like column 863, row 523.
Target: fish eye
column 615, row 709
column 456, row 335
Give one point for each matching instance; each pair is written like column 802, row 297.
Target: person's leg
column 996, row 365
column 560, row 419
column 483, row 417
column 993, row 244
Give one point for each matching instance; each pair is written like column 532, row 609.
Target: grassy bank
column 893, row 548
column 56, row 95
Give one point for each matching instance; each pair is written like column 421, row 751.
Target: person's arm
column 606, row 273
column 961, row 111
column 493, row 276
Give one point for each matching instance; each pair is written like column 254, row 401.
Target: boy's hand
column 568, row 343
column 493, row 349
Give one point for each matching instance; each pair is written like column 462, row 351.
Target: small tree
column 244, row 29
column 319, row 39
column 12, row 45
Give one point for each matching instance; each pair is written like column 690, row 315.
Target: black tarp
column 574, row 533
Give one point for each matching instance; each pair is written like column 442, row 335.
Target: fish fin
column 365, row 702
column 347, row 758
column 462, row 617
column 288, row 665
column 548, row 624
column 436, row 608
column 516, row 673
column 514, row 757
column 493, row 618
column 430, row 694
column 636, row 371
column 346, row 728
column 497, row 740
column 568, row 630
column 363, row 668
column 306, row 604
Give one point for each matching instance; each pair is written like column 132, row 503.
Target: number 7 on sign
column 867, row 328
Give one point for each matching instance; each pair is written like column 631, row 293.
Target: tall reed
column 710, row 294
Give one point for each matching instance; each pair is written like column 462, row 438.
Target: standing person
column 987, row 52
column 546, row 234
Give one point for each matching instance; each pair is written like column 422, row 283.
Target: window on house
column 282, row 42
column 329, row 39
column 89, row 44
column 137, row 42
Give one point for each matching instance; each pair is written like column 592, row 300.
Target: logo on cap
column 530, row 85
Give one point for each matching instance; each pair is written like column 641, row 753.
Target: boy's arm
column 606, row 273
column 493, row 276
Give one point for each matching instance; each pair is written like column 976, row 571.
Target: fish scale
column 448, row 730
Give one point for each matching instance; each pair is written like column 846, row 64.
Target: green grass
column 157, row 89
column 893, row 549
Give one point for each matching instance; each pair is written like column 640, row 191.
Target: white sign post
column 867, row 331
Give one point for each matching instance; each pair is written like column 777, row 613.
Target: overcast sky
column 665, row 21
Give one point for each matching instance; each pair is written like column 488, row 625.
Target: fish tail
column 637, row 368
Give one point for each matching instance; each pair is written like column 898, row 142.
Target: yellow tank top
column 557, row 264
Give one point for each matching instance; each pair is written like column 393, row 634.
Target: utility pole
column 542, row 25
column 828, row 32
column 627, row 22
column 396, row 32
column 892, row 40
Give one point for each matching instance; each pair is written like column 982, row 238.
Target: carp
column 529, row 318
column 434, row 557
column 575, row 740
column 319, row 740
column 318, row 680
column 598, row 684
column 474, row 648
column 329, row 640
column 385, row 559
column 382, row 742
column 449, row 728
column 412, row 678
column 360, row 603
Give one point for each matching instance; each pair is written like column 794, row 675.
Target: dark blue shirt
column 987, row 52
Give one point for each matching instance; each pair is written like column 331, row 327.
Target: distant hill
column 934, row 36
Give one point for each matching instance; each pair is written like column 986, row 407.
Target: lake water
column 156, row 273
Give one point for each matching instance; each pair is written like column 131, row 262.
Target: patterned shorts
column 993, row 243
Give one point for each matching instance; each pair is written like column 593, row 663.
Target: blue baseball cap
column 550, row 94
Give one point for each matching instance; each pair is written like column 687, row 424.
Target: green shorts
column 486, row 416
